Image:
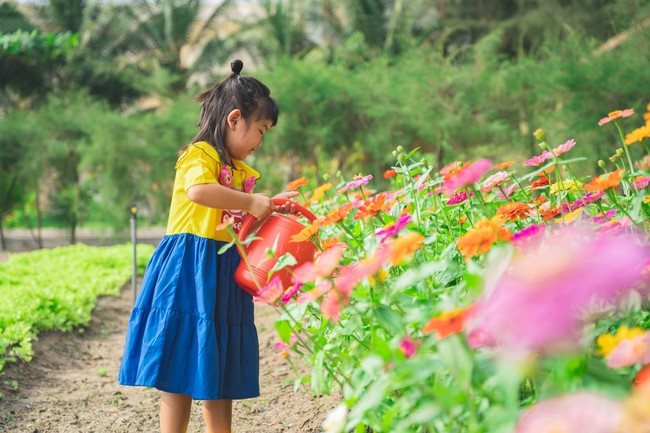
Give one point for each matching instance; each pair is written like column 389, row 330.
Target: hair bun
column 237, row 66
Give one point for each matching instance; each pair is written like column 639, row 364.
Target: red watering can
column 280, row 227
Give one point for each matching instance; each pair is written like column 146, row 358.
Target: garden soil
column 71, row 385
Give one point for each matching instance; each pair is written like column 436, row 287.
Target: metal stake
column 134, row 214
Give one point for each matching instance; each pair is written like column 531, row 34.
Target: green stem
column 625, row 146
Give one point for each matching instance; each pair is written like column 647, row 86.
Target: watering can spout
column 278, row 230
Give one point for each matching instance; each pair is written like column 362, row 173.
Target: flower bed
column 479, row 298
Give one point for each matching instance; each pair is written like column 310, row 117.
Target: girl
column 191, row 333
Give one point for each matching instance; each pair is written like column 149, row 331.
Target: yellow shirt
column 200, row 164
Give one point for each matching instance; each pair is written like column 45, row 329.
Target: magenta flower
column 536, row 161
column 323, row 287
column 282, row 345
column 641, row 182
column 574, row 205
column 495, row 180
column 356, row 183
column 467, row 176
column 293, row 291
column 529, row 238
column 271, row 292
column 331, row 307
column 609, row 214
column 458, row 198
column 593, row 197
column 408, row 347
column 539, row 302
column 401, row 222
column 564, row 148
column 583, row 411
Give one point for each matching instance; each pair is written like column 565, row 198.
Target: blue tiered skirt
column 191, row 330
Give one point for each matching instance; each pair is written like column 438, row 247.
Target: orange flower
column 462, row 220
column 404, row 246
column 319, row 192
column 295, row 184
column 307, row 232
column 389, row 173
column 512, row 211
column 638, row 134
column 550, row 214
column 336, row 215
column 453, row 169
column 605, row 181
column 449, row 322
column 481, row 238
column 371, row 207
column 539, row 183
column 504, row 164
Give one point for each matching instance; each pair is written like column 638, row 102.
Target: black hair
column 235, row 91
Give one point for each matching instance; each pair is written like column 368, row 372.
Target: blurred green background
column 96, row 97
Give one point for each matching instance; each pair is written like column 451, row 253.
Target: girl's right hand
column 261, row 206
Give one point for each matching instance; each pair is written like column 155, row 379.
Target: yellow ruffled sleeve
column 198, row 166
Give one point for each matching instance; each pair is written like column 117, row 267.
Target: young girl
column 191, row 333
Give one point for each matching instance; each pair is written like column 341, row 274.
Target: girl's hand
column 287, row 207
column 261, row 206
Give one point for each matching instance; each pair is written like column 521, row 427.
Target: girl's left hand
column 287, row 207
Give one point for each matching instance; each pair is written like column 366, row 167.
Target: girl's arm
column 220, row 197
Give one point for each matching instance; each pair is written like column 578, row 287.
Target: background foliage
column 96, row 98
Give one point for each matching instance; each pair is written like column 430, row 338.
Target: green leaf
column 299, row 381
column 457, row 357
column 389, row 319
column 226, row 247
column 284, row 329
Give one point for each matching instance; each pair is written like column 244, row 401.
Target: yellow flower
column 320, row 192
column 647, row 199
column 608, row 342
column 567, row 185
column 570, row 217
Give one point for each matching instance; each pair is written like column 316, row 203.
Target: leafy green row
column 57, row 289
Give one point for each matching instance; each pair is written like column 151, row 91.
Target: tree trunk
column 3, row 209
column 2, row 237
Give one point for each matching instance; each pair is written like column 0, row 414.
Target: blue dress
column 191, row 330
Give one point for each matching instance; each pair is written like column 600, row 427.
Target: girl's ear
column 234, row 117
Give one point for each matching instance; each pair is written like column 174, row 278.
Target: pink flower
column 615, row 115
column 582, row 411
column 467, row 176
column 408, row 347
column 249, row 184
column 315, row 293
column 401, row 222
column 529, row 238
column 564, row 148
column 352, row 275
column 609, row 214
column 271, row 292
column 327, row 262
column 282, row 345
column 630, row 352
column 293, row 291
column 615, row 226
column 458, row 198
column 594, row 196
column 538, row 303
column 495, row 180
column 508, row 190
column 356, row 183
column 536, row 161
column 331, row 307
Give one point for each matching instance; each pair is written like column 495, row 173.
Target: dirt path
column 71, row 386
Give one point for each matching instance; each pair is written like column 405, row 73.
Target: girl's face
column 243, row 138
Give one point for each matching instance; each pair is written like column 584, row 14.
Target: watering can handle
column 248, row 222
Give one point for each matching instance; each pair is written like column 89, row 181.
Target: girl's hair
column 235, row 91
